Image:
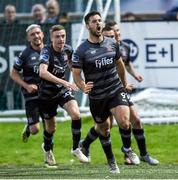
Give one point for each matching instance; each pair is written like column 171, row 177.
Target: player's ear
column 27, row 38
column 51, row 37
column 87, row 26
column 42, row 34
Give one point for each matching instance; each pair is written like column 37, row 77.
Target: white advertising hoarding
column 154, row 51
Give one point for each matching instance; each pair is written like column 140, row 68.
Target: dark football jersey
column 57, row 63
column 97, row 60
column 125, row 52
column 28, row 62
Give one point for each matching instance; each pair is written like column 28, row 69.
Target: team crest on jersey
column 75, row 58
column 44, row 57
column 33, row 58
column 93, row 51
column 18, row 61
column 55, row 58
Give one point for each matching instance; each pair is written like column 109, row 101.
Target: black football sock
column 126, row 137
column 48, row 141
column 91, row 137
column 141, row 142
column 106, row 145
column 28, row 130
column 76, row 132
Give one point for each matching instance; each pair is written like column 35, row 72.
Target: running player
column 99, row 59
column 28, row 63
column 55, row 90
column 137, row 128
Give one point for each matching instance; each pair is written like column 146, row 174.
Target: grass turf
column 25, row 160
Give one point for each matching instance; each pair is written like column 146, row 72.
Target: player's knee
column 34, row 129
column 51, row 129
column 124, row 122
column 75, row 115
column 106, row 132
column 125, row 125
column 103, row 131
column 136, row 123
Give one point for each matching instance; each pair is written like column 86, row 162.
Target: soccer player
column 55, row 90
column 100, row 60
column 137, row 128
column 28, row 63
column 108, row 32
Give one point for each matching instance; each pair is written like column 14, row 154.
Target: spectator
column 38, row 13
column 171, row 14
column 10, row 15
column 53, row 12
column 129, row 16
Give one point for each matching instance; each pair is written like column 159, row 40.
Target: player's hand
column 31, row 88
column 129, row 87
column 71, row 86
column 139, row 78
column 88, row 87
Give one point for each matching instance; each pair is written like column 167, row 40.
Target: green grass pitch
column 20, row 160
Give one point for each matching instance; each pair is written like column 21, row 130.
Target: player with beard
column 100, row 60
column 56, row 91
column 28, row 63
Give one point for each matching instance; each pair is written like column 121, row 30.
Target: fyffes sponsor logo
column 103, row 62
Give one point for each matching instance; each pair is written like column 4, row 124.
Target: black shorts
column 49, row 108
column 33, row 111
column 100, row 108
column 129, row 100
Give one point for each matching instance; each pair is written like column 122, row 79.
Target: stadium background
column 13, row 38
column 20, row 160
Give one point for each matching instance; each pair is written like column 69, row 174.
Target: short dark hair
column 92, row 13
column 107, row 28
column 56, row 28
column 110, row 23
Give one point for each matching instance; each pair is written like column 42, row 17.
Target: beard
column 37, row 42
column 95, row 33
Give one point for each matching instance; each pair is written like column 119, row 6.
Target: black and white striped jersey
column 97, row 60
column 28, row 63
column 57, row 64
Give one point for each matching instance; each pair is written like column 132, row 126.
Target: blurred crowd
column 41, row 14
column 50, row 13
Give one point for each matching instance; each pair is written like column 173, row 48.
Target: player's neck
column 95, row 39
column 57, row 49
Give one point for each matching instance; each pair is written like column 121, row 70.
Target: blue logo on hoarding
column 133, row 49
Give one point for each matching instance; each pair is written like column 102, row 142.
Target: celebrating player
column 100, row 60
column 55, row 90
column 28, row 62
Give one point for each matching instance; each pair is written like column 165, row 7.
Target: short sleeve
column 77, row 59
column 118, row 53
column 18, row 63
column 44, row 56
column 70, row 52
